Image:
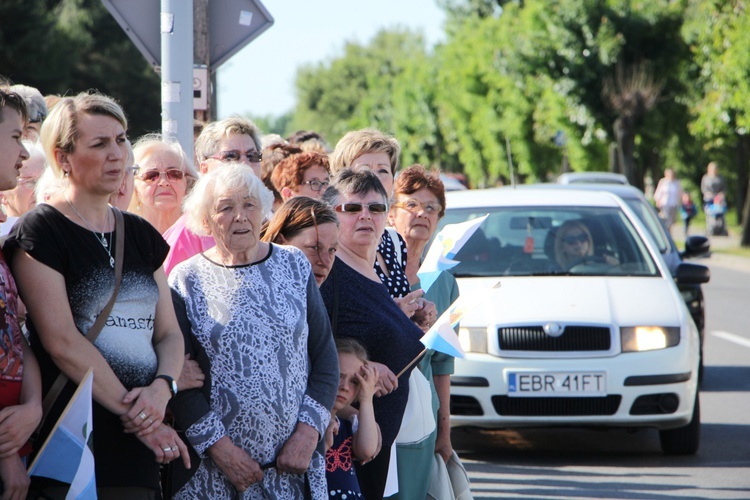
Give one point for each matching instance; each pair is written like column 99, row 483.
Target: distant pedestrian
column 687, row 210
column 668, row 198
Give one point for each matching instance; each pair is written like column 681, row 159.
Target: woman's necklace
column 99, row 236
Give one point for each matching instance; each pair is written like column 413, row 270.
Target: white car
column 601, row 340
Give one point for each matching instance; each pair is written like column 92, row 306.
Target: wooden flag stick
column 419, row 356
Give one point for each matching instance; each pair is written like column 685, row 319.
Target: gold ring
column 143, row 415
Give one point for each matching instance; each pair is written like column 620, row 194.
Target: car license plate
column 560, row 384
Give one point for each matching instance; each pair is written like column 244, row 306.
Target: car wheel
column 683, row 440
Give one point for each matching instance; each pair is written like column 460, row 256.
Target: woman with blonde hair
column 64, row 258
column 573, row 242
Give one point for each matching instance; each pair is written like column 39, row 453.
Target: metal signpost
column 164, row 35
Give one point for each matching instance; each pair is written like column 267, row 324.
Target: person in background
column 668, row 198
column 687, row 211
column 165, row 176
column 121, row 198
column 20, row 381
column 712, row 184
column 361, row 307
column 304, row 174
column 230, row 140
column 309, row 140
column 419, row 204
column 36, row 107
column 373, row 150
column 352, row 434
column 255, row 310
column 272, row 155
column 21, row 199
column 310, row 225
column 62, row 255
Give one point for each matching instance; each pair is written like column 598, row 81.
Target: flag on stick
column 444, row 247
column 67, row 453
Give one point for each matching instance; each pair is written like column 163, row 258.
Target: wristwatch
column 170, row 382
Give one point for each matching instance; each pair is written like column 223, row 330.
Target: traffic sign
column 232, row 24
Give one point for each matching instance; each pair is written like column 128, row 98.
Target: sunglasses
column 234, row 155
column 414, row 206
column 172, row 174
column 579, row 238
column 355, row 208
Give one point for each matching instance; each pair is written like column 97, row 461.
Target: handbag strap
column 96, row 328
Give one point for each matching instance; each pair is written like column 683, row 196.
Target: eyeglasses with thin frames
column 354, row 208
column 172, row 175
column 414, row 206
column 234, row 155
column 134, row 170
column 316, row 185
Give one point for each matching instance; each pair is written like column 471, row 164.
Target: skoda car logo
column 553, row 329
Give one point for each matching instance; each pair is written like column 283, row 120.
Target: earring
column 67, row 174
column 138, row 207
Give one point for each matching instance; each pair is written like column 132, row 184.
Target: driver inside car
column 574, row 245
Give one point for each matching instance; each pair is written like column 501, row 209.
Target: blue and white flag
column 442, row 336
column 67, row 454
column 444, row 248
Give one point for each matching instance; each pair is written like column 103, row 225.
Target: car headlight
column 473, row 339
column 648, row 338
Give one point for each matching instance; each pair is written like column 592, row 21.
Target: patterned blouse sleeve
column 322, row 383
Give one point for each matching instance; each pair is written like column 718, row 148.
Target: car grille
column 574, row 338
column 556, row 407
column 465, row 405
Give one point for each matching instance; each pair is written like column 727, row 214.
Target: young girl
column 356, row 435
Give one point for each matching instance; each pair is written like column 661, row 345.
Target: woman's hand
column 192, row 376
column 17, row 423
column 410, row 303
column 14, row 478
column 426, row 315
column 387, row 381
column 368, row 382
column 297, row 452
column 148, row 407
column 166, row 445
column 241, row 470
column 443, row 446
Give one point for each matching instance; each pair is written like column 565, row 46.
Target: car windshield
column 544, row 241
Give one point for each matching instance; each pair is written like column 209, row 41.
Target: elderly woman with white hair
column 165, row 176
column 256, row 319
column 21, row 199
column 37, row 110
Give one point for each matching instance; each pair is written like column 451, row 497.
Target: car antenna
column 510, row 163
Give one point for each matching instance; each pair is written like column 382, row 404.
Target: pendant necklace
column 99, row 236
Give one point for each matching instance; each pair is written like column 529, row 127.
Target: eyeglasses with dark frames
column 577, row 238
column 172, row 174
column 234, row 155
column 316, row 185
column 354, row 208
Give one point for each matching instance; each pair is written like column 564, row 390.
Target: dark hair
column 417, row 177
column 296, row 215
column 290, row 171
column 349, row 345
column 349, row 181
column 13, row 100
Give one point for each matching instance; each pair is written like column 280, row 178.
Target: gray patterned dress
column 273, row 364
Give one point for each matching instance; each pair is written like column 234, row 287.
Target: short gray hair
column 213, row 133
column 35, row 104
column 232, row 178
column 358, row 182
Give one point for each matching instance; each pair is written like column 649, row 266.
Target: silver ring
column 166, row 449
column 173, row 448
column 143, row 415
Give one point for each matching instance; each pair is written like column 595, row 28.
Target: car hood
column 621, row 301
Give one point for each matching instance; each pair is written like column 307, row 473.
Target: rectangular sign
column 557, row 384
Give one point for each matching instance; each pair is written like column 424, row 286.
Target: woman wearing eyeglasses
column 361, row 307
column 574, row 244
column 419, row 203
column 164, row 178
column 304, row 174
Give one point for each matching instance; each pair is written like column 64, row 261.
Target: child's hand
column 368, row 381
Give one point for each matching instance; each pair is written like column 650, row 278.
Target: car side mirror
column 691, row 274
column 695, row 246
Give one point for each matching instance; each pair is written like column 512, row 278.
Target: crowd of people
column 261, row 309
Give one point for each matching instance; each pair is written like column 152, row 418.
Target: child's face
column 350, row 366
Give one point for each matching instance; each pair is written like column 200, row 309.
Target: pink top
column 183, row 244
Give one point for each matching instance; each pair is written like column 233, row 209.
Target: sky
column 259, row 79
